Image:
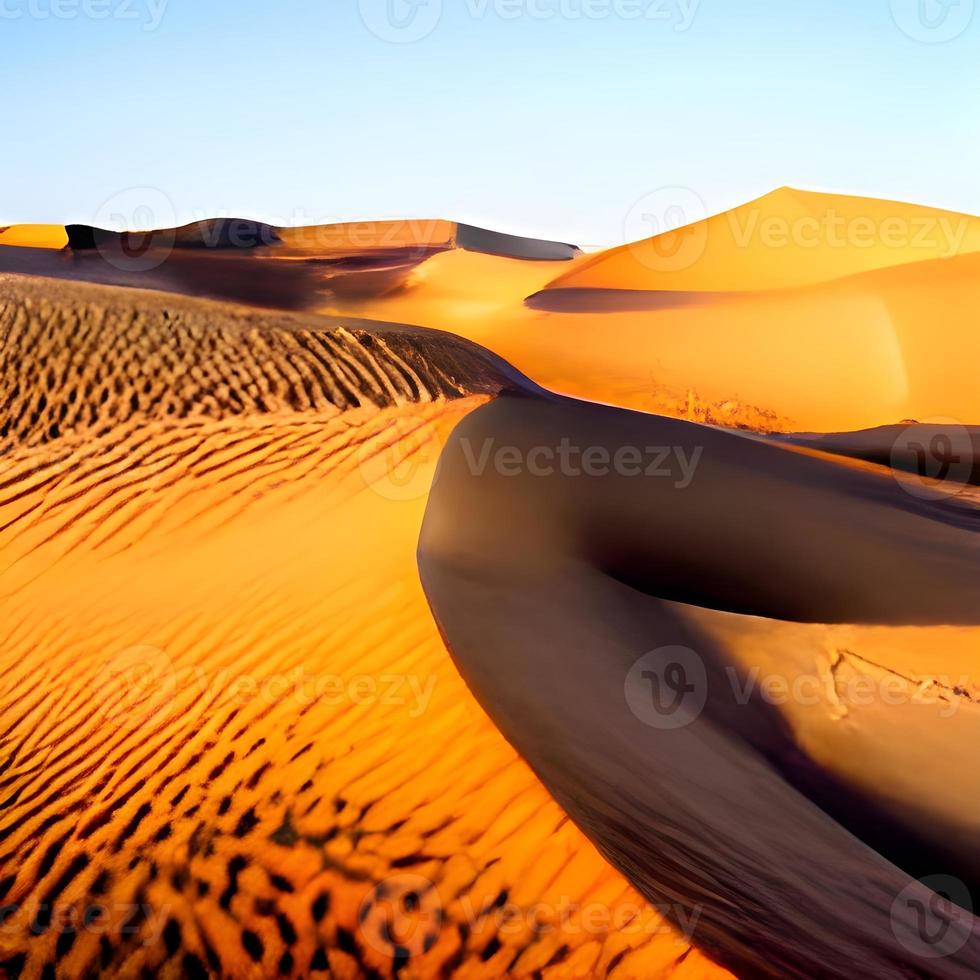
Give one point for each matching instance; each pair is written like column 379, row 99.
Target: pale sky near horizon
column 543, row 117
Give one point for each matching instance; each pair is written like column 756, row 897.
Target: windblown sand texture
column 289, row 686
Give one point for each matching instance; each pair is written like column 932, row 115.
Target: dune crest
column 785, row 239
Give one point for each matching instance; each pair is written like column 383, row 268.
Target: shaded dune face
column 792, row 826
column 231, row 739
column 252, row 262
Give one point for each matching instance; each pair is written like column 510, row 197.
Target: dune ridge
column 793, row 828
column 83, row 358
column 786, row 238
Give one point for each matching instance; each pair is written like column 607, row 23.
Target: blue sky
column 548, row 117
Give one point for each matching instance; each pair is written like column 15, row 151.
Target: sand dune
column 786, row 238
column 227, row 716
column 792, row 826
column 34, row 236
column 211, row 509
column 755, row 333
column 247, row 261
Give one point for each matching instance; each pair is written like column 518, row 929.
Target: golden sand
column 34, row 236
column 229, row 719
column 863, row 326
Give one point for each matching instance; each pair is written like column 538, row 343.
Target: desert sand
column 293, row 683
column 228, row 716
column 771, row 809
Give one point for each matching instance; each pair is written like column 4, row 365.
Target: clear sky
column 547, row 117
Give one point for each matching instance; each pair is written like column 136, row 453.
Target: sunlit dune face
column 248, row 723
column 34, row 236
column 465, row 292
column 848, row 355
column 787, row 238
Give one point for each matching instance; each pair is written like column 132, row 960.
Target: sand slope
column 792, row 824
column 786, row 238
column 226, row 715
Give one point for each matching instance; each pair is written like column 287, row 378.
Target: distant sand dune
column 784, row 239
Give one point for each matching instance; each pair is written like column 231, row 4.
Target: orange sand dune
column 34, row 236
column 227, row 717
column 813, row 625
column 209, row 514
column 786, row 238
column 871, row 349
column 859, row 328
